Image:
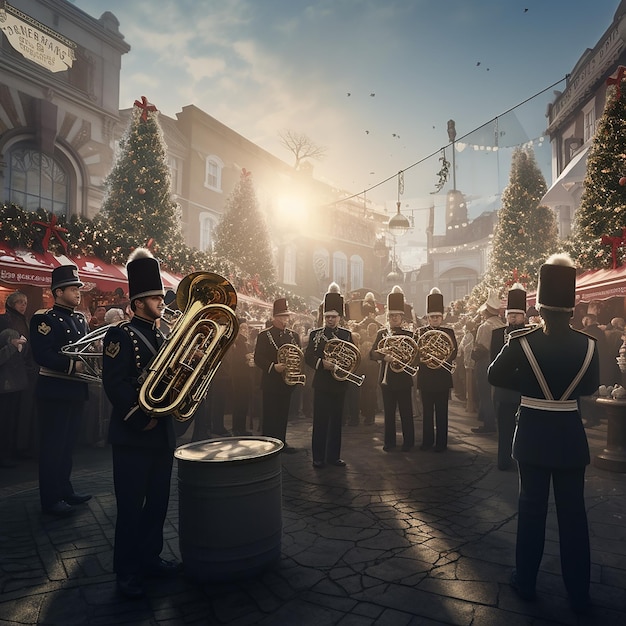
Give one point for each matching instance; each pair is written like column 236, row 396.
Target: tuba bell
column 435, row 346
column 292, row 357
column 345, row 356
column 179, row 376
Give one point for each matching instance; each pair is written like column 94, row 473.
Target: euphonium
column 435, row 346
column 179, row 377
column 403, row 350
column 292, row 357
column 345, row 356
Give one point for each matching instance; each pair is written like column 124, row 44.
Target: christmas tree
column 242, row 236
column 597, row 234
column 526, row 233
column 138, row 195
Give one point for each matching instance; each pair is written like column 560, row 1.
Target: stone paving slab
column 400, row 538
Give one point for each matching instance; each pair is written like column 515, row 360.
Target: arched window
column 356, row 272
column 340, row 270
column 213, row 173
column 289, row 265
column 37, row 180
column 207, row 231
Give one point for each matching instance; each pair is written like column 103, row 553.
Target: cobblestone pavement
column 392, row 539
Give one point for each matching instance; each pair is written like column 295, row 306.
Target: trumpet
column 292, row 357
column 435, row 347
column 345, row 357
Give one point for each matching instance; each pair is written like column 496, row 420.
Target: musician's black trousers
column 400, row 399
column 141, row 477
column 327, row 416
column 58, row 429
column 276, row 413
column 435, row 408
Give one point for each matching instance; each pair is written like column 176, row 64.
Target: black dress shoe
column 318, row 464
column 439, row 448
column 130, row 586
column 77, row 498
column 289, row 449
column 389, row 448
column 160, row 568
column 339, row 463
column 59, row 509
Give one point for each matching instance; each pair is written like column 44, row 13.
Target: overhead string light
column 459, row 146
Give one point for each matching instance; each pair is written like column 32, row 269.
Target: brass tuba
column 292, row 357
column 435, row 346
column 345, row 356
column 179, row 377
column 403, row 350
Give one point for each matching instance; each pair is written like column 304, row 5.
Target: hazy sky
column 375, row 81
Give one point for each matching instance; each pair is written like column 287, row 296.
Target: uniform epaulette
column 521, row 332
column 42, row 311
column 582, row 332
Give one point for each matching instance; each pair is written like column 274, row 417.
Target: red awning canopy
column 597, row 285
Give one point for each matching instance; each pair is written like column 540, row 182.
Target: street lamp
column 398, row 224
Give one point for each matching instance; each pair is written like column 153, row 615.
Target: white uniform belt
column 549, row 405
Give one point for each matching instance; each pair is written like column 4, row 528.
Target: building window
column 320, row 264
column 213, row 173
column 289, row 265
column 174, row 166
column 207, row 230
column 356, row 272
column 340, row 270
column 37, row 180
column 589, row 121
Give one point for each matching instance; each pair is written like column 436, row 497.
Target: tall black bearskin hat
column 333, row 303
column 516, row 300
column 144, row 275
column 556, row 290
column 434, row 302
column 395, row 300
column 65, row 276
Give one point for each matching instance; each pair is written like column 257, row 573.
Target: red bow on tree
column 146, row 107
column 52, row 230
column 517, row 278
column 616, row 79
column 615, row 243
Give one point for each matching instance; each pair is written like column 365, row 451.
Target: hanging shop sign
column 36, row 42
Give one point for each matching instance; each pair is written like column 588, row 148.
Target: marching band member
column 142, row 446
column 60, row 394
column 506, row 401
column 328, row 393
column 551, row 366
column 275, row 390
column 395, row 386
column 435, row 383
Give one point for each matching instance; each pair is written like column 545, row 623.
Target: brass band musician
column 328, row 391
column 395, row 385
column 60, row 394
column 434, row 379
column 276, row 391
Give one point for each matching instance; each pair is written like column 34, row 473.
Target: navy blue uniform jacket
column 267, row 344
column 436, row 379
column 314, row 353
column 125, row 357
column 548, row 438
column 50, row 330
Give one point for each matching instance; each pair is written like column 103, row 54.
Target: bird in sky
column 372, row 95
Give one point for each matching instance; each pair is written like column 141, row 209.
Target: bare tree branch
column 301, row 147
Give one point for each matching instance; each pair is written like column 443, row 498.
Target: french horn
column 292, row 357
column 88, row 351
column 345, row 356
column 403, row 350
column 179, row 376
column 435, row 347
